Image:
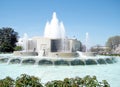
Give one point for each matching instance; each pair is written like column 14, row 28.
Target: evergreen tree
column 8, row 39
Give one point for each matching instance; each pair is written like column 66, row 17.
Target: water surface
column 109, row 72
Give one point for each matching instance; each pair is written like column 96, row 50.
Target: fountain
column 28, row 46
column 25, row 42
column 57, row 57
column 55, row 30
column 54, row 48
column 86, row 42
column 89, row 60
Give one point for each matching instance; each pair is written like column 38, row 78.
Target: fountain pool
column 109, row 72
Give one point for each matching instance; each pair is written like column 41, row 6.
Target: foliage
column 7, row 82
column 27, row 81
column 87, row 81
column 18, row 48
column 8, row 39
column 111, row 54
column 113, row 42
column 30, row 81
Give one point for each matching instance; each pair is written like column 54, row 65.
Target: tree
column 8, row 39
column 18, row 48
column 113, row 42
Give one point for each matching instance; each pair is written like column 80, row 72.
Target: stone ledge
column 22, row 53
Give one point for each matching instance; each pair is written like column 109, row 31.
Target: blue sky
column 100, row 18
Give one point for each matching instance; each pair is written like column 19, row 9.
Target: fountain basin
column 63, row 54
column 22, row 53
column 36, row 60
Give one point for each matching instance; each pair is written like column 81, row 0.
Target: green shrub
column 27, row 81
column 87, row 81
column 7, row 82
column 31, row 81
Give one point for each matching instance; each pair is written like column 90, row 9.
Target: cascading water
column 64, row 61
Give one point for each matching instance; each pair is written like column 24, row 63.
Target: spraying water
column 54, row 29
column 25, row 42
column 87, row 42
